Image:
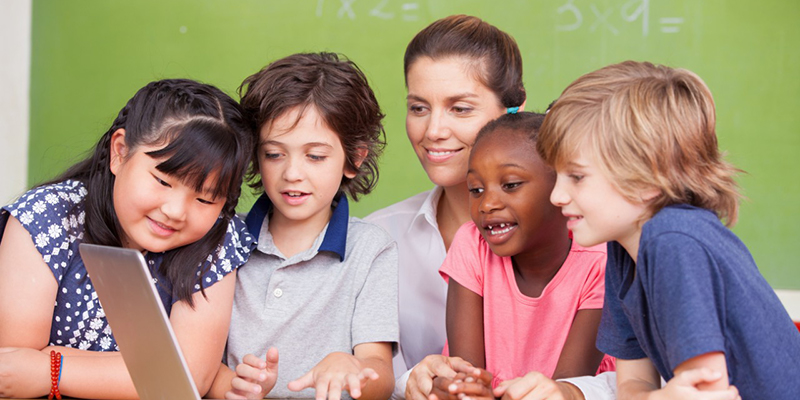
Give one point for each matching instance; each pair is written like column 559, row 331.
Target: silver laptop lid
column 139, row 323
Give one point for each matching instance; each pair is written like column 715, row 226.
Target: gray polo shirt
column 339, row 293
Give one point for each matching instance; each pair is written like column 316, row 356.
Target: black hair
column 203, row 132
column 523, row 121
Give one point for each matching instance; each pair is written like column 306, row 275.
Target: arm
column 341, row 371
column 580, row 355
column 465, row 324
column 701, row 377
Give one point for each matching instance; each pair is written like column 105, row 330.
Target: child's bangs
column 198, row 150
column 563, row 135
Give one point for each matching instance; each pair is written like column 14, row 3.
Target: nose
column 293, row 170
column 559, row 196
column 174, row 207
column 437, row 126
column 490, row 202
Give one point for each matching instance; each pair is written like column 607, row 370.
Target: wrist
column 570, row 391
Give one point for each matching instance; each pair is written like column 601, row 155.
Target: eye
column 271, row 156
column 460, row 110
column 511, row 185
column 315, row 157
column 204, row 201
column 575, row 177
column 475, row 191
column 161, row 181
column 417, row 109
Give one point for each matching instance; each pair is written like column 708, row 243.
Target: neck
column 452, row 211
column 294, row 236
column 540, row 263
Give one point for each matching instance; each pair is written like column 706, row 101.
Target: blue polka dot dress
column 54, row 215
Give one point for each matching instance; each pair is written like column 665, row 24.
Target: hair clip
column 512, row 110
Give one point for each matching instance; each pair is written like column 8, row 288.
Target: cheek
column 415, row 129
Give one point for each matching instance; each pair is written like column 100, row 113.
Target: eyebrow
column 506, row 165
column 306, row 145
column 454, row 97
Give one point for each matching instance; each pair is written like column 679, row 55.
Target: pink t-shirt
column 522, row 333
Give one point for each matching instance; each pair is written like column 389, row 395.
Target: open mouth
column 294, row 194
column 501, row 228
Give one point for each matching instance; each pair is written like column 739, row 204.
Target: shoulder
column 58, row 197
column 401, row 211
column 683, row 220
column 236, row 246
column 367, row 233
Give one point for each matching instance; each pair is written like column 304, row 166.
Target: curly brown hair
column 339, row 91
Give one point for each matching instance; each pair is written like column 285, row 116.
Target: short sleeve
column 463, row 260
column 375, row 318
column 686, row 283
column 616, row 336
column 54, row 216
column 593, row 290
column 232, row 253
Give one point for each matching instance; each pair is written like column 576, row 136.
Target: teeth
column 439, row 153
column 294, row 194
column 503, row 228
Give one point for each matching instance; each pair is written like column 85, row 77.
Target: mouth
column 499, row 229
column 161, row 229
column 294, row 197
column 439, row 155
column 573, row 220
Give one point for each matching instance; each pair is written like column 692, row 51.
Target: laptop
column 139, row 323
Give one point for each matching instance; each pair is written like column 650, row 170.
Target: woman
column 460, row 74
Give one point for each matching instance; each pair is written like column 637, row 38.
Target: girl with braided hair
column 165, row 180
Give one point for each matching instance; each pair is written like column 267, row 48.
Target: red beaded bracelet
column 55, row 374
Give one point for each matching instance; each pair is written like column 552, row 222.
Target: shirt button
column 278, row 292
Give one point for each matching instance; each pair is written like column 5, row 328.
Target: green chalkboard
column 89, row 57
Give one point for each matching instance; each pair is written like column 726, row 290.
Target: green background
column 89, row 57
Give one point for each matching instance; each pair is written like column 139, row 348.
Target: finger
column 520, row 388
column 246, row 371
column 272, row 359
column 354, row 384
column 460, row 365
column 694, row 377
column 470, row 389
column 501, row 388
column 335, row 389
column 305, row 381
column 441, row 367
column 234, row 395
column 321, row 387
column 254, row 361
column 483, row 375
column 242, row 386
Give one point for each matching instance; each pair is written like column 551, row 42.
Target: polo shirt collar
column 335, row 239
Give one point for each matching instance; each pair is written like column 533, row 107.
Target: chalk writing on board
column 380, row 9
column 604, row 18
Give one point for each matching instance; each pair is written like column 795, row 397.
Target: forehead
column 505, row 146
column 299, row 125
column 447, row 76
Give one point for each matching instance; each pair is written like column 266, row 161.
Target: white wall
column 15, row 65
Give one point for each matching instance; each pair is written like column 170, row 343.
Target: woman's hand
column 477, row 385
column 536, row 386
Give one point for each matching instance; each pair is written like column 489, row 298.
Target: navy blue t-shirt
column 695, row 290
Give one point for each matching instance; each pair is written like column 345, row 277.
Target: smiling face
column 509, row 189
column 447, row 106
column 301, row 166
column 597, row 211
column 157, row 212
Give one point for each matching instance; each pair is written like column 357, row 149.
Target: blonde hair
column 650, row 127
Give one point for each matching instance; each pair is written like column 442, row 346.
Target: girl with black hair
column 165, row 180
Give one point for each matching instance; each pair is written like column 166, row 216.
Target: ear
column 648, row 195
column 118, row 150
column 361, row 155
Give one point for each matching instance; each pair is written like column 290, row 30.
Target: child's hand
column 24, row 372
column 420, row 381
column 336, row 372
column 684, row 386
column 536, row 386
column 255, row 377
column 475, row 385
